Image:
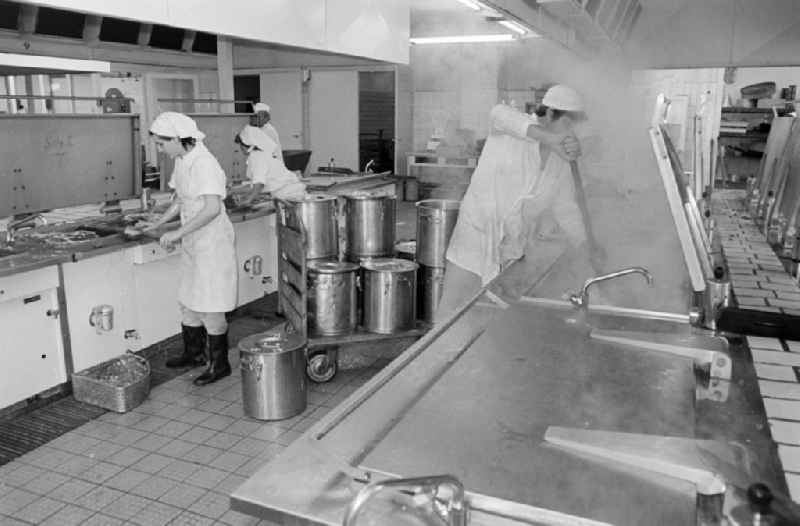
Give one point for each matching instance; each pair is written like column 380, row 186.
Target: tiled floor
column 172, row 460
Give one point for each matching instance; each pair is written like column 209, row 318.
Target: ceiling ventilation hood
column 585, row 26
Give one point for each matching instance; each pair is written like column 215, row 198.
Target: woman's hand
column 169, row 239
column 566, row 146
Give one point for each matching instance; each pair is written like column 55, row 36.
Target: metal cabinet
column 256, row 256
column 31, row 343
column 156, row 276
column 100, row 311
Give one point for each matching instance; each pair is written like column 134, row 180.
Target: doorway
column 376, row 112
column 246, row 87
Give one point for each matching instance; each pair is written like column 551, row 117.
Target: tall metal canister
column 436, row 219
column 390, row 290
column 273, row 366
column 332, row 298
column 318, row 213
column 370, row 226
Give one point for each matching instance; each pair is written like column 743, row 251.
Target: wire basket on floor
column 119, row 384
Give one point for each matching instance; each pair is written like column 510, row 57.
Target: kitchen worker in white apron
column 262, row 119
column 490, row 232
column 265, row 171
column 208, row 277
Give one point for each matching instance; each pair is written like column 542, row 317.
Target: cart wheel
column 321, row 367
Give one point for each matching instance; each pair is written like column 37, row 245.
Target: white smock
column 208, row 281
column 490, row 231
column 265, row 168
column 272, row 133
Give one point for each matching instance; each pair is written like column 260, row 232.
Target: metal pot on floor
column 429, row 291
column 273, row 367
column 436, row 219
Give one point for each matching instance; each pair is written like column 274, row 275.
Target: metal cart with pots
column 322, row 351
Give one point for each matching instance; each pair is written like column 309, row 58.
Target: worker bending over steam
column 522, row 184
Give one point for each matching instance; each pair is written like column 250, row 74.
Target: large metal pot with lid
column 318, row 213
column 332, row 298
column 436, row 219
column 390, row 288
column 273, row 366
column 370, row 226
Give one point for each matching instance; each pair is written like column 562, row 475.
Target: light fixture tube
column 463, row 39
column 513, row 26
column 472, row 4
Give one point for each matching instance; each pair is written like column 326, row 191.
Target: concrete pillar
column 225, row 72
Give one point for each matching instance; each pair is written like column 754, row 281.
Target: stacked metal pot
column 436, row 219
column 368, row 279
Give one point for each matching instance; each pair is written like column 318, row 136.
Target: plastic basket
column 119, row 384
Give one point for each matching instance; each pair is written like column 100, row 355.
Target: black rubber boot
column 218, row 365
column 194, row 344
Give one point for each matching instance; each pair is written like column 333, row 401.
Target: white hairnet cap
column 252, row 136
column 174, row 124
column 561, row 97
column 260, row 106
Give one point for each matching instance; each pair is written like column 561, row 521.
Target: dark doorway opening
column 246, row 87
column 376, row 100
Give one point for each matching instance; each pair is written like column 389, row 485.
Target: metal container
column 318, row 213
column 273, row 366
column 332, row 298
column 390, row 289
column 430, row 283
column 436, row 219
column 370, row 226
column 406, row 250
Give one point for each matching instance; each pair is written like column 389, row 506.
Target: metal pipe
column 582, row 300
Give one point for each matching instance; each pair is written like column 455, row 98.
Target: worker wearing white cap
column 262, row 120
column 265, row 172
column 511, row 172
column 208, row 281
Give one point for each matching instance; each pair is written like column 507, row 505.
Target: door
column 256, row 255
column 376, row 120
column 333, row 119
column 282, row 91
column 246, row 87
column 33, row 360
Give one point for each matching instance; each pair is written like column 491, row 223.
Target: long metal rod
column 63, row 97
column 580, row 197
column 215, row 101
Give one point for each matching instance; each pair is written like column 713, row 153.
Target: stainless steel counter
column 475, row 402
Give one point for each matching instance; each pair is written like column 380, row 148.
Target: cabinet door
column 256, row 239
column 155, row 284
column 90, row 283
column 31, row 346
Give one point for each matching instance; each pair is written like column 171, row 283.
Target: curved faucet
column 13, row 226
column 453, row 513
column 582, row 300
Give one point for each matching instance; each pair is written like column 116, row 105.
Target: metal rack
column 322, row 351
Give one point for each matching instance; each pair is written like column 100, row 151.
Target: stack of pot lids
column 331, row 267
column 272, row 342
column 389, row 265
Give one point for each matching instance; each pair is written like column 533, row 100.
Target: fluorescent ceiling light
column 513, row 26
column 463, row 39
column 472, row 4
column 53, row 63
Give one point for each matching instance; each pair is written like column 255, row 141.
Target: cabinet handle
column 31, row 299
column 53, row 313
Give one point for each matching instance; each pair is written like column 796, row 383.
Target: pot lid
column 272, row 342
column 360, row 196
column 331, row 267
column 313, row 198
column 409, row 247
column 389, row 265
column 439, row 204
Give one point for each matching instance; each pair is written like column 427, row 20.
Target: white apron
column 272, row 133
column 208, row 281
column 277, row 179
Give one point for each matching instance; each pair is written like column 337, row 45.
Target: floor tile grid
column 145, row 468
